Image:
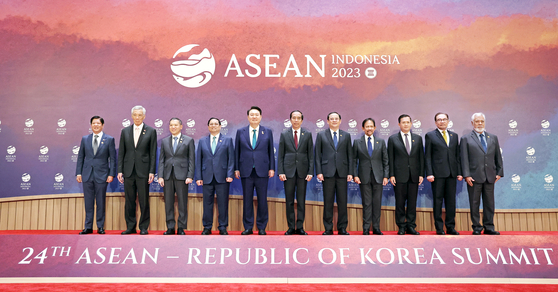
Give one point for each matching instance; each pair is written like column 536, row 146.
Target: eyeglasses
column 441, row 120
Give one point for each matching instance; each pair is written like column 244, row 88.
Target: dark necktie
column 370, row 149
column 407, row 144
column 296, row 140
column 483, row 142
column 174, row 145
column 95, row 145
column 335, row 139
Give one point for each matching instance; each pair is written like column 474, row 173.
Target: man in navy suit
column 482, row 166
column 443, row 167
column 176, row 172
column 406, row 170
column 295, row 165
column 371, row 173
column 96, row 168
column 215, row 171
column 334, row 167
column 255, row 164
column 137, row 155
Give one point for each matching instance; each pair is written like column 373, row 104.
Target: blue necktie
column 174, row 145
column 370, row 146
column 254, row 139
column 213, row 145
column 483, row 142
column 335, row 139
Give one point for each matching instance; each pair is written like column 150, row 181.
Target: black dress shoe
column 101, row 231
column 169, row 231
column 144, row 232
column 366, row 232
column 300, row 232
column 223, row 232
column 343, row 231
column 262, row 232
column 476, row 232
column 290, row 231
column 377, row 231
column 129, row 231
column 247, row 232
column 440, row 232
column 411, row 230
column 180, row 231
column 328, row 232
column 401, row 231
column 491, row 232
column 86, row 231
column 206, row 231
column 452, row 231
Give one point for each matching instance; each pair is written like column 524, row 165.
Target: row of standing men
column 335, row 160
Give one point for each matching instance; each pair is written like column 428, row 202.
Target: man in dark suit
column 136, row 169
column 96, row 168
column 176, row 172
column 482, row 166
column 334, row 167
column 214, row 171
column 295, row 165
column 255, row 164
column 443, row 166
column 406, row 170
column 371, row 173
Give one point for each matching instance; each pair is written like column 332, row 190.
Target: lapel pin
column 340, row 135
column 220, row 141
column 487, row 136
column 262, row 132
column 413, row 141
column 302, row 134
column 103, row 142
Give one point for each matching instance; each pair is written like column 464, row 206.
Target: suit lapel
column 476, row 139
column 89, row 143
column 218, row 145
column 101, row 144
column 247, row 134
column 441, row 138
column 329, row 138
column 260, row 135
column 400, row 139
column 143, row 131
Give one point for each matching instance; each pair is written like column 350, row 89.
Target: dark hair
column 404, row 116
column 333, row 113
column 368, row 119
column 436, row 115
column 179, row 120
column 95, row 118
column 213, row 118
column 301, row 115
column 254, row 108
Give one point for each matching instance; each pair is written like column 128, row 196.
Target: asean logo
column 196, row 70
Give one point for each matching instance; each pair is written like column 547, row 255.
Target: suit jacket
column 442, row 160
column 292, row 159
column 143, row 157
column 476, row 163
column 99, row 165
column 378, row 162
column 262, row 157
column 219, row 165
column 183, row 159
column 329, row 159
column 403, row 166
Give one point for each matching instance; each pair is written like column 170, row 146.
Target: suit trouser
column 222, row 192
column 249, row 184
column 406, row 193
column 136, row 187
column 485, row 189
column 94, row 192
column 371, row 203
column 178, row 186
column 443, row 189
column 300, row 184
column 335, row 187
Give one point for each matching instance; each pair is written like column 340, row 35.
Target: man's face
column 478, row 124
column 369, row 128
column 405, row 124
column 296, row 120
column 138, row 116
column 214, row 127
column 442, row 122
column 254, row 117
column 175, row 127
column 334, row 121
column 96, row 126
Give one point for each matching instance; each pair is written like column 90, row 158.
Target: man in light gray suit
column 481, row 162
column 295, row 165
column 176, row 171
column 371, row 173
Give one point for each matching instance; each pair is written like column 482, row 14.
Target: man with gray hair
column 481, row 162
column 136, row 169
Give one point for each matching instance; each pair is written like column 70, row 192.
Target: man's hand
column 78, row 178
column 120, row 177
column 199, row 182
column 459, row 178
column 151, row 178
column 282, row 177
column 349, row 178
column 320, row 177
column 110, row 179
column 271, row 173
column 385, row 182
column 161, row 181
column 308, row 178
column 237, row 174
column 392, row 180
column 469, row 181
column 357, row 180
column 420, row 180
column 430, row 178
column 229, row 179
column 497, row 178
column 189, row 181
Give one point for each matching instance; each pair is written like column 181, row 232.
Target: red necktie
column 296, row 140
